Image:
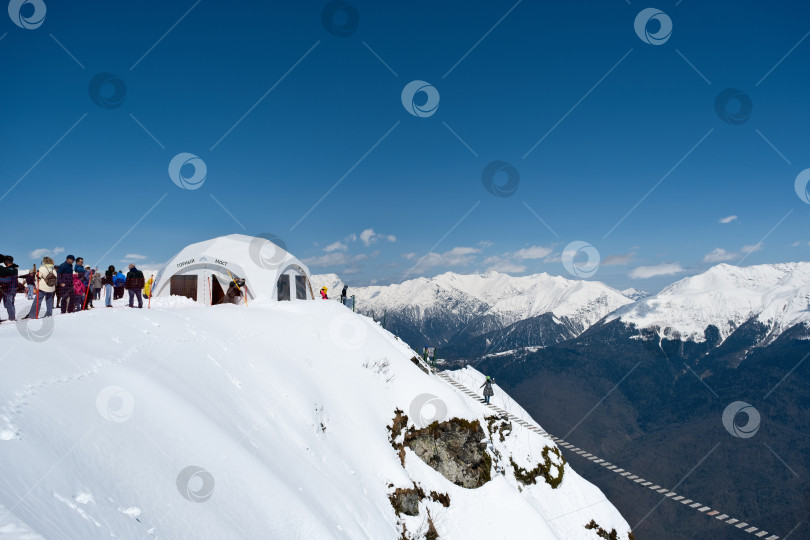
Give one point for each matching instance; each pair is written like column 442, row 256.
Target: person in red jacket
column 323, row 293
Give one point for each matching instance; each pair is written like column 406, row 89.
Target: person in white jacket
column 45, row 274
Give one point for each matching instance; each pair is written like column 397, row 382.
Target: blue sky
column 612, row 141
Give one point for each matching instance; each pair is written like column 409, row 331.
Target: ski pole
column 37, row 300
column 84, row 304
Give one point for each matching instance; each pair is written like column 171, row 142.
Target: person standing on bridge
column 487, row 386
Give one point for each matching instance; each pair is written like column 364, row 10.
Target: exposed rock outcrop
column 455, row 448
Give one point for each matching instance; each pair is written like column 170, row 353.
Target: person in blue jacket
column 119, row 281
column 64, row 285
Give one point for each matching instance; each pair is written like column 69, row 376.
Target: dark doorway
column 301, row 287
column 183, row 286
column 217, row 294
column 284, row 287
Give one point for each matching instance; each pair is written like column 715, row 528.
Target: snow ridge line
column 622, row 472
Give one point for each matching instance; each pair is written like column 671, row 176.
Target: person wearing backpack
column 109, row 276
column 134, row 285
column 64, row 284
column 46, row 283
column 8, row 285
column 118, row 282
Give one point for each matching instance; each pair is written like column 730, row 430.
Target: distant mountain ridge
column 773, row 296
column 476, row 315
column 465, row 313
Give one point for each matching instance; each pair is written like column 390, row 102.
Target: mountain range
column 470, row 317
column 647, row 381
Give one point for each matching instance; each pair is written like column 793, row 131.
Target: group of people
column 72, row 284
column 342, row 294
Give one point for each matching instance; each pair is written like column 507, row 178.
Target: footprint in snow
column 132, row 511
column 83, row 498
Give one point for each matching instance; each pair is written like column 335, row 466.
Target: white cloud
column 727, row 219
column 336, row 246
column 533, row 252
column 663, row 269
column 44, row 252
column 463, row 251
column 718, row 255
column 369, row 237
column 458, row 256
column 618, row 260
column 330, row 259
column 134, row 256
column 507, row 266
column 751, row 249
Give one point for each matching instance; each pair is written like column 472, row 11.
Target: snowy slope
column 506, row 298
column 257, row 422
column 727, row 296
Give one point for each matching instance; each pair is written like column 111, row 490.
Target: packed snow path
column 756, row 531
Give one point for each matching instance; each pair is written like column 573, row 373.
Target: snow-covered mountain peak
column 511, row 298
column 634, row 294
column 726, row 296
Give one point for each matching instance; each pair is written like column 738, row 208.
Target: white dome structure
column 204, row 271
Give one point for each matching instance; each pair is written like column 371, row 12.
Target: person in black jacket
column 64, row 285
column 109, row 276
column 134, row 285
column 8, row 285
